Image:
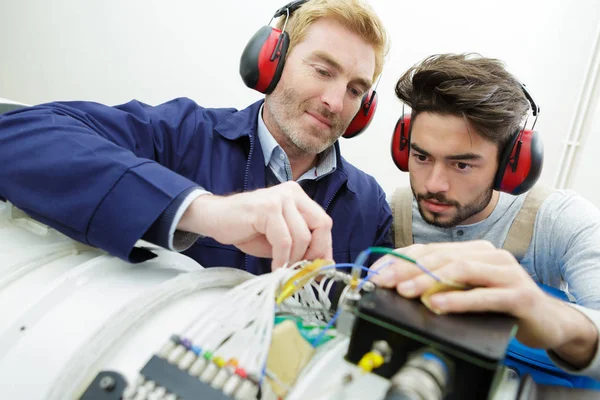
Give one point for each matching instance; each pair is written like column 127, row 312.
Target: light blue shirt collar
column 279, row 162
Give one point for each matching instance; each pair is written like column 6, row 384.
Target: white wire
column 86, row 362
column 264, row 330
column 323, row 282
column 212, row 327
column 342, row 300
column 251, row 343
column 221, row 309
column 215, row 330
column 329, row 286
column 234, row 347
column 321, row 300
column 311, row 302
column 242, row 324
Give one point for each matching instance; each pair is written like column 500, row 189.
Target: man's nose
column 333, row 97
column 437, row 181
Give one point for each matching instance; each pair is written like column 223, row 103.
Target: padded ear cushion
column 263, row 58
column 520, row 163
column 364, row 116
column 401, row 143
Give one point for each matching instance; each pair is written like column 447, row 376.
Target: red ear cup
column 364, row 116
column 401, row 143
column 520, row 163
column 262, row 60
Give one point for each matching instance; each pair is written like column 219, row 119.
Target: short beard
column 462, row 212
column 286, row 113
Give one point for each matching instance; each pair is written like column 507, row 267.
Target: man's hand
column 280, row 222
column 500, row 285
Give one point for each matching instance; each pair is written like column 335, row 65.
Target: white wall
column 153, row 50
column 586, row 179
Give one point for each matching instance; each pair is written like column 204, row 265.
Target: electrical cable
column 362, row 258
column 86, row 361
column 320, row 336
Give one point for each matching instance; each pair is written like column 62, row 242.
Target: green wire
column 362, row 257
column 384, row 250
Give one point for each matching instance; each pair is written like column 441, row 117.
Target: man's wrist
column 579, row 338
column 198, row 216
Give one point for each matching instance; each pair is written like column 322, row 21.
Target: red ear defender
column 262, row 61
column 522, row 159
column 364, row 116
column 520, row 163
column 263, row 57
column 401, row 143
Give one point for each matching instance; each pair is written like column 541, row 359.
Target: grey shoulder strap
column 521, row 231
column 402, row 213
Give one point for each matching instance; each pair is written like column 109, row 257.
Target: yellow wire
column 301, row 278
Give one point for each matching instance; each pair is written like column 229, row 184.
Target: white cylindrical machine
column 68, row 311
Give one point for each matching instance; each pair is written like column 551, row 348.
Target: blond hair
column 354, row 15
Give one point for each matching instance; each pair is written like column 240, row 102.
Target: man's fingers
column 465, row 272
column 320, row 245
column 300, row 234
column 454, row 247
column 314, row 215
column 319, row 224
column 440, row 257
column 293, row 224
column 257, row 246
column 386, row 268
column 397, row 270
column 477, row 300
column 278, row 235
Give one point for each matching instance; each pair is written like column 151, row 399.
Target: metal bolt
column 383, row 348
column 107, row 383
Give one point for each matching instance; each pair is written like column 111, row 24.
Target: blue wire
column 427, row 271
column 321, row 335
column 362, row 258
column 375, row 272
column 262, row 375
column 360, row 261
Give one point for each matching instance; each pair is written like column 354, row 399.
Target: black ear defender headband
column 520, row 163
column 263, row 58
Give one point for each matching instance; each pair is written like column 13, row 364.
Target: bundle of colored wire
column 240, row 326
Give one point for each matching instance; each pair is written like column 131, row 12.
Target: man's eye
column 322, row 72
column 354, row 92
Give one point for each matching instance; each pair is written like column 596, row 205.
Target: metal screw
column 107, row 383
